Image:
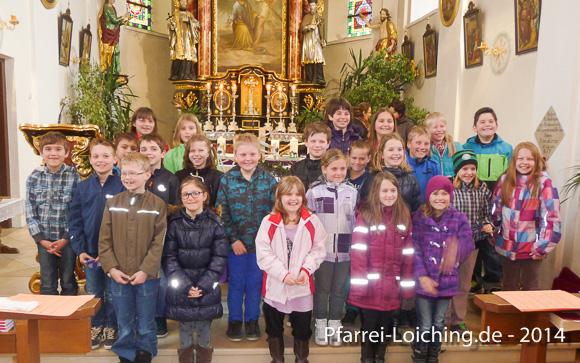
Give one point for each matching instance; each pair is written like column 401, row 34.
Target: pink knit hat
column 439, row 182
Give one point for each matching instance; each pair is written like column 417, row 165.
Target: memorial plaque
column 549, row 133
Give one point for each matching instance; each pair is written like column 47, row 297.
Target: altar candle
column 208, row 86
column 268, row 88
column 221, row 87
column 279, row 88
column 275, row 148
column 293, row 90
column 234, row 88
column 293, row 147
column 221, row 149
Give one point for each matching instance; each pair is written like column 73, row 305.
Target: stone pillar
column 295, row 17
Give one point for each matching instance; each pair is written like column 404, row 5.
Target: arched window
column 420, row 8
column 140, row 11
column 359, row 12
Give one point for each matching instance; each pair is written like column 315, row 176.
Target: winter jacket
column 431, row 239
column 195, row 255
column 361, row 129
column 492, row 158
column 404, row 126
column 342, row 140
column 165, row 185
column 381, row 264
column 528, row 225
column 86, row 212
column 307, row 170
column 335, row 205
column 308, row 252
column 445, row 161
column 245, row 203
column 409, row 187
column 476, row 205
column 173, row 160
column 210, row 177
column 423, row 169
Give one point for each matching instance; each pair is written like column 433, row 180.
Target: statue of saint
column 183, row 38
column 109, row 29
column 312, row 43
column 388, row 34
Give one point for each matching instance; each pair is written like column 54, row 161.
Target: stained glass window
column 140, row 11
column 359, row 12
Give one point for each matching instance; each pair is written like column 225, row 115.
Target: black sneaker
column 111, row 335
column 143, row 357
column 125, row 360
column 234, row 332
column 161, row 327
column 349, row 317
column 477, row 289
column 252, row 330
column 96, row 336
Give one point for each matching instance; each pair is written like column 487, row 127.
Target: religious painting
column 527, row 13
column 447, row 11
column 359, row 14
column 49, row 4
column 85, row 42
column 472, row 37
column 249, row 32
column 430, row 52
column 407, row 48
column 65, row 37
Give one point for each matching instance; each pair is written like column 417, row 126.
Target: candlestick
column 221, row 149
column 293, row 147
column 275, row 148
column 208, row 125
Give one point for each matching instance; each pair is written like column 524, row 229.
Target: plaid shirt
column 475, row 204
column 48, row 198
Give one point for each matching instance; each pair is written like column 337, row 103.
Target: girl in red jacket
column 381, row 266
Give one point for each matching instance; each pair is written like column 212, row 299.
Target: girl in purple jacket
column 442, row 240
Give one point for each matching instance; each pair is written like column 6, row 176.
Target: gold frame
column 455, row 9
column 49, row 4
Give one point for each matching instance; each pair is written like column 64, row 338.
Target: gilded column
column 204, row 12
column 295, row 17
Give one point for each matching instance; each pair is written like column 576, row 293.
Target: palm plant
column 572, row 183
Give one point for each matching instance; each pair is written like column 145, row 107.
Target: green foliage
column 416, row 113
column 306, row 117
column 572, row 184
column 195, row 110
column 274, row 167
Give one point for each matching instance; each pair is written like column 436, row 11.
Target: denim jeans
column 98, row 284
column 245, row 278
column 135, row 309
column 161, row 296
column 430, row 314
column 50, row 267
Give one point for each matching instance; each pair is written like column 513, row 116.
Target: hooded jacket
column 165, row 185
column 445, row 161
column 408, row 184
column 342, row 140
column 492, row 158
column 307, row 170
column 210, row 177
column 423, row 169
column 173, row 160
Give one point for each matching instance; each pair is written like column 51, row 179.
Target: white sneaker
column 320, row 337
column 335, row 339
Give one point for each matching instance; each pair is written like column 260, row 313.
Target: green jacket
column 174, row 159
column 492, row 158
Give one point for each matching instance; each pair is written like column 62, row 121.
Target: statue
column 110, row 29
column 312, row 43
column 388, row 34
column 183, row 38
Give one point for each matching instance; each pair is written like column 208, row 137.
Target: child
column 125, row 144
column 198, row 161
column 383, row 123
column 527, row 208
column 334, row 201
column 424, row 168
column 130, row 247
column 441, row 239
column 403, row 122
column 442, row 145
column 86, row 213
column 493, row 154
column 246, row 195
column 317, row 139
column 289, row 248
column 144, row 122
column 49, row 191
column 343, row 133
column 472, row 198
column 358, row 157
column 382, row 233
column 194, row 257
column 187, row 126
column 162, row 183
column 362, row 113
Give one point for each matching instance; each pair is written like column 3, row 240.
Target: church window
column 420, row 8
column 359, row 13
column 140, row 11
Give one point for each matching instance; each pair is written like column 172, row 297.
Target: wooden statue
column 183, row 40
column 312, row 43
column 388, row 34
column 109, row 33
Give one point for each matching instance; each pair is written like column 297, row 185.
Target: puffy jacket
column 173, row 160
column 210, row 177
column 445, row 161
column 165, row 185
column 423, row 169
column 492, row 158
column 528, row 225
column 431, row 239
column 381, row 264
column 86, row 212
column 195, row 255
column 307, row 170
column 308, row 252
column 342, row 140
column 408, row 184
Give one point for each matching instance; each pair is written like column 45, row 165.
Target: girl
column 383, row 123
column 472, row 198
column 144, row 122
column 194, row 257
column 362, row 113
column 289, row 248
column 381, row 265
column 186, row 126
column 334, row 201
column 198, row 161
column 442, row 145
column 527, row 208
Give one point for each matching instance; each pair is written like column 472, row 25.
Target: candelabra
column 233, row 125
column 293, row 104
column 221, row 126
column 280, row 103
column 268, row 125
column 9, row 25
column 208, row 125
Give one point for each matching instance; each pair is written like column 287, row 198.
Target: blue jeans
column 430, row 314
column 161, row 296
column 135, row 308
column 245, row 277
column 98, row 284
column 50, row 268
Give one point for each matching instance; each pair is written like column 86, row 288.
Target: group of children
column 392, row 228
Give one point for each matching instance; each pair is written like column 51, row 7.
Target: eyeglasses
column 191, row 195
column 131, row 174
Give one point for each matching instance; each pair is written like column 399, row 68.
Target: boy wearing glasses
column 130, row 247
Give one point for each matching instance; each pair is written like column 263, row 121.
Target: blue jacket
column 492, row 158
column 342, row 141
column 445, row 162
column 86, row 211
column 423, row 169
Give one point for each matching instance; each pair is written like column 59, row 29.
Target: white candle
column 268, row 86
column 221, row 149
column 234, row 88
column 275, row 148
column 293, row 147
column 293, row 90
column 208, row 86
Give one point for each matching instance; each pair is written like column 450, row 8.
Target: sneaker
column 143, row 357
column 161, row 327
column 234, row 332
column 349, row 317
column 111, row 335
column 459, row 328
column 477, row 289
column 320, row 337
column 335, row 339
column 96, row 336
column 124, row 360
column 252, row 330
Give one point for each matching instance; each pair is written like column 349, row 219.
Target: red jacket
column 381, row 265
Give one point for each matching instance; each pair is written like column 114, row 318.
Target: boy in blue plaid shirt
column 49, row 191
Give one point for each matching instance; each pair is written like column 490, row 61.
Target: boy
column 358, row 157
column 404, row 123
column 419, row 159
column 317, row 140
column 246, row 195
column 130, row 247
column 493, row 154
column 343, row 133
column 49, row 191
column 125, row 144
column 86, row 213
